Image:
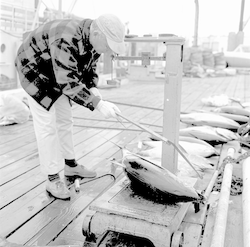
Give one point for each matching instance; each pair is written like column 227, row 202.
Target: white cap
column 114, row 31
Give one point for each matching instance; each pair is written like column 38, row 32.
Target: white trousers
column 53, row 130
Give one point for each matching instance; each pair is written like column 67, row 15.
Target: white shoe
column 79, row 171
column 58, row 189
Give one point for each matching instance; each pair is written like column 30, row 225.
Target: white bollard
column 246, row 201
column 218, row 237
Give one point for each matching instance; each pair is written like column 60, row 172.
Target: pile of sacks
column 13, row 110
column 201, row 62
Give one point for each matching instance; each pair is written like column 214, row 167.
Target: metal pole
column 246, row 201
column 196, row 24
column 60, row 9
column 218, row 237
column 241, row 26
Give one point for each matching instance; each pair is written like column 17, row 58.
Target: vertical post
column 246, row 201
column 172, row 103
column 12, row 18
column 196, row 23
column 26, row 20
column 220, row 224
column 60, row 9
column 241, row 15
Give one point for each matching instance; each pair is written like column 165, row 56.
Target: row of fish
column 229, row 117
column 198, row 143
column 217, row 127
column 196, row 153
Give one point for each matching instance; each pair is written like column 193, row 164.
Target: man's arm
column 68, row 76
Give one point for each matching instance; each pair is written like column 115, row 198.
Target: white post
column 172, row 104
column 218, row 237
column 172, row 94
column 246, row 201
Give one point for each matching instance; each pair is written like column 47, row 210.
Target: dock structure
column 28, row 216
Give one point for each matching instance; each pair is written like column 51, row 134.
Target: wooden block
column 5, row 243
column 192, row 233
column 209, row 226
column 196, row 218
column 45, row 226
column 234, row 230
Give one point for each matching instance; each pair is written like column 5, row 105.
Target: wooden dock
column 28, row 216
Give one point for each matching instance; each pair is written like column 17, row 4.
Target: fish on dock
column 156, row 178
column 208, row 119
column 200, row 164
column 206, row 133
column 240, row 119
column 233, row 110
column 189, row 147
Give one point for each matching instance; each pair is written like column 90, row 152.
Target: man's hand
column 107, row 109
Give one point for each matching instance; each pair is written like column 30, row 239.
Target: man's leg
column 64, row 121
column 49, row 149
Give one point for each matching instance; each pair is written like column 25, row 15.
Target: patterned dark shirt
column 57, row 58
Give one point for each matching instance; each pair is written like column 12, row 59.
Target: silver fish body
column 236, row 117
column 209, row 119
column 189, row 147
column 157, row 178
column 206, row 133
column 234, row 110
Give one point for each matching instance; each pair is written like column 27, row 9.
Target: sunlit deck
column 28, row 216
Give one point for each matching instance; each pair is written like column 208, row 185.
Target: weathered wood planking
column 54, row 218
column 25, row 204
column 96, row 140
column 55, row 234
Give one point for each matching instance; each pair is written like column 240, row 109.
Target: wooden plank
column 20, row 141
column 209, row 226
column 192, row 233
column 17, row 143
column 18, row 154
column 196, row 218
column 12, row 132
column 234, row 230
column 24, row 208
column 246, row 89
column 202, row 89
column 19, row 186
column 59, row 215
column 5, row 243
column 108, row 151
column 74, row 231
column 33, row 201
column 19, row 168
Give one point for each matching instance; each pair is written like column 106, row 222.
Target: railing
column 16, row 19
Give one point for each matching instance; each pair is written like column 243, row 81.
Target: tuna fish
column 234, row 110
column 156, row 178
column 209, row 119
column 206, row 133
column 228, row 134
column 194, row 140
column 189, row 147
column 199, row 162
column 237, row 118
